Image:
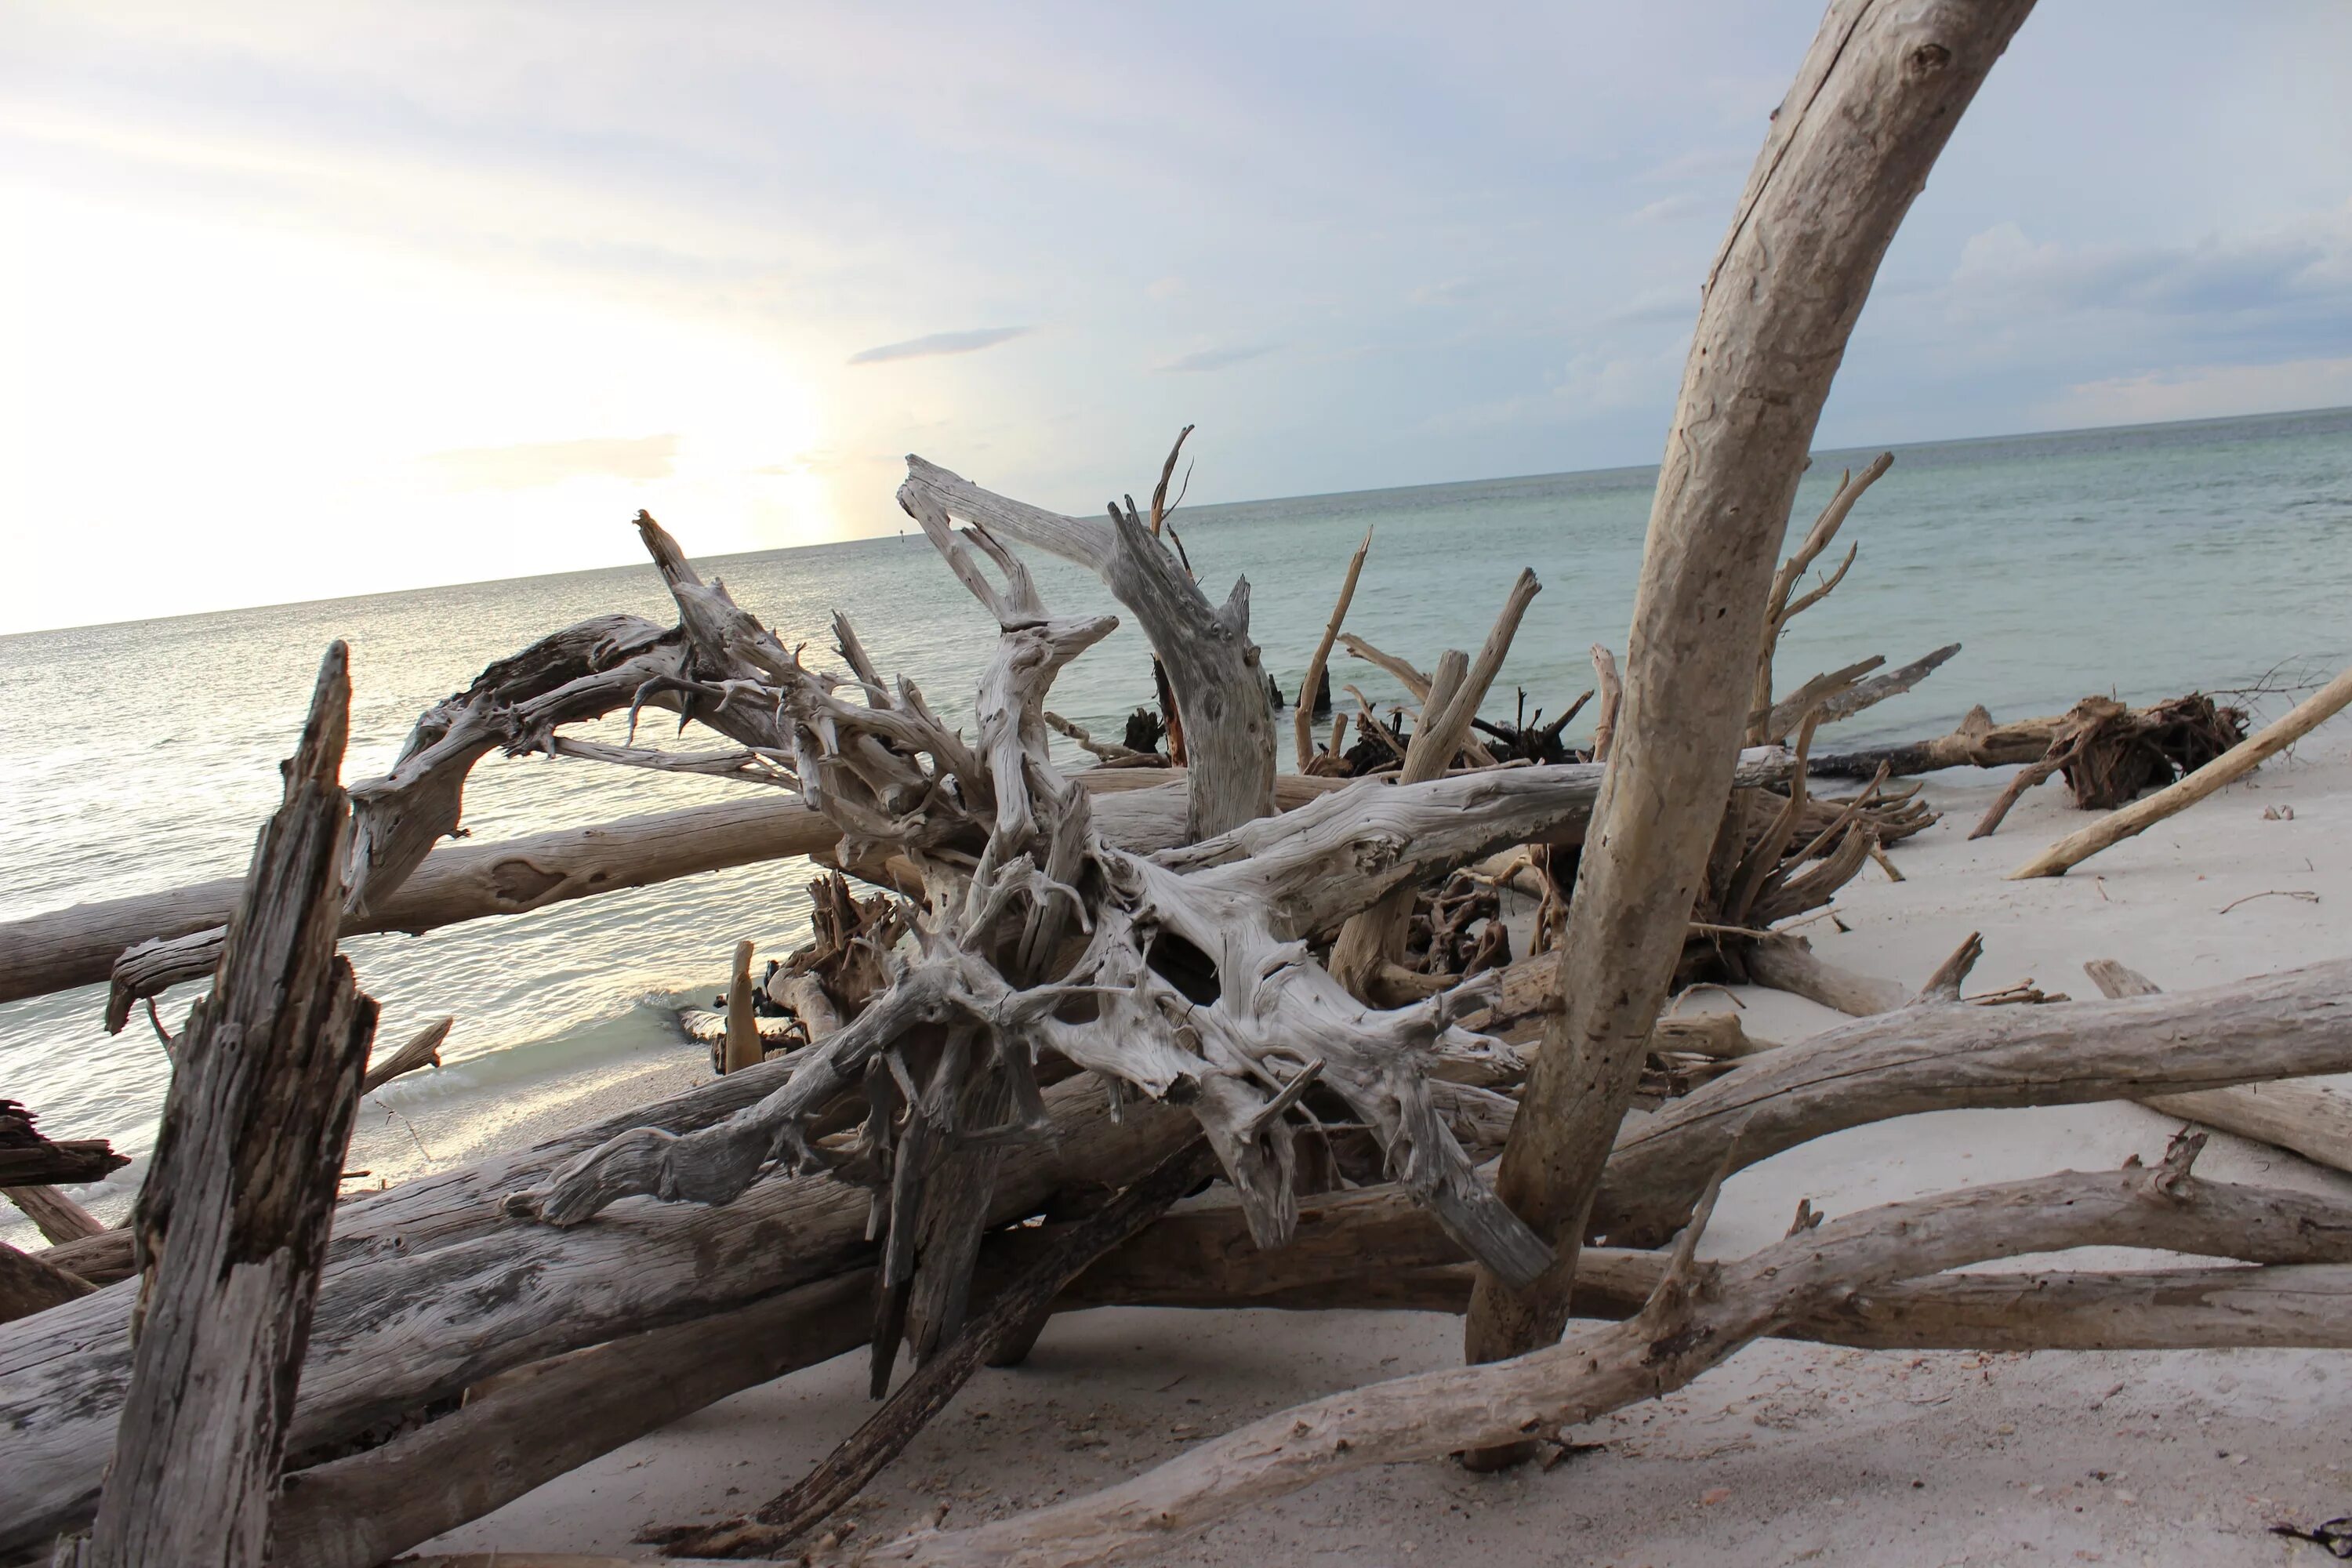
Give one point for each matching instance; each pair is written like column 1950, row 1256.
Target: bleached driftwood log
column 1698, row 1316
column 1365, row 1249
column 1940, row 1054
column 79, row 945
column 428, row 1288
column 1873, row 103
column 232, row 1222
column 2311, row 1120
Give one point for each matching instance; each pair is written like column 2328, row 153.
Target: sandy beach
column 1788, row 1454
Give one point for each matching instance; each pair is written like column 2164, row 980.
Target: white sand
column 1811, row 1454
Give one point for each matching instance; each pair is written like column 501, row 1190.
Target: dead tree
column 1873, row 103
column 231, row 1224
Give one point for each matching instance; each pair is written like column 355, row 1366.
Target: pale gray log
column 1873, row 103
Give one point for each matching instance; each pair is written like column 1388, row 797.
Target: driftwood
column 1781, row 608
column 232, row 1222
column 466, row 882
column 1788, row 963
column 1699, row 1315
column 29, row 1160
column 57, row 1216
column 2227, row 768
column 30, row 1283
column 408, row 1265
column 1938, row 1053
column 1211, row 663
column 886, row 1431
column 2310, row 1118
column 1303, row 716
column 423, row 1051
column 1873, row 103
column 2109, row 753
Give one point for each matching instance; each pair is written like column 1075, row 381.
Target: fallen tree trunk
column 1941, row 1055
column 429, row 1288
column 466, row 881
column 1368, row 1250
column 2309, row 1119
column 1700, row 1315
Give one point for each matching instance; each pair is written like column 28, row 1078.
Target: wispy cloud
column 965, row 342
column 536, row 463
column 1200, row 359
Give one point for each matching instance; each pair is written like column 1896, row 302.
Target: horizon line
column 1200, row 510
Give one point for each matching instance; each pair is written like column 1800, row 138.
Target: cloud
column 937, row 344
column 1200, row 359
column 2206, row 391
column 1666, row 209
column 2298, row 267
column 536, row 463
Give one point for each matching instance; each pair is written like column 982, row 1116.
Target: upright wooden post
column 231, row 1226
column 1872, row 105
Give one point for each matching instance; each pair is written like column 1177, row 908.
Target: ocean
column 2143, row 562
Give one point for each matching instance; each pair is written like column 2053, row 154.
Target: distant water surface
column 2146, row 561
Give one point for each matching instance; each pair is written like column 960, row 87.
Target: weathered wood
column 1206, row 650
column 102, row 1258
column 29, row 1159
column 423, row 1051
column 429, row 1288
column 466, row 882
column 1977, row 742
column 2229, row 766
column 1778, row 611
column 57, row 1216
column 1368, row 1249
column 29, row 1284
column 1303, row 715
column 742, row 1046
column 1788, row 963
column 1936, row 1055
column 232, row 1222
column 2311, row 1120
column 552, row 1417
column 1700, row 1315
column 1612, row 689
column 886, row 1433
column 1873, row 105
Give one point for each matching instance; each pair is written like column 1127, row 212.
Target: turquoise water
column 2144, row 561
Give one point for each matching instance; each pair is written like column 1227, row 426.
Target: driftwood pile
column 1075, row 998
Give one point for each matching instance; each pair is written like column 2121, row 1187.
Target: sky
column 310, row 300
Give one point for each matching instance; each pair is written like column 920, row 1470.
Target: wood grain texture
column 231, row 1221
column 1873, row 105
column 2231, row 765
